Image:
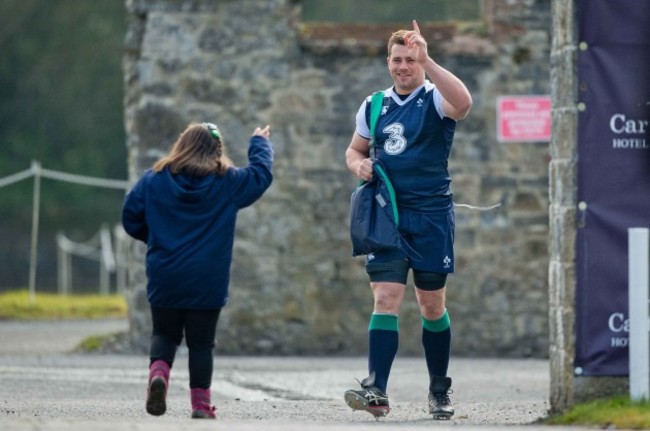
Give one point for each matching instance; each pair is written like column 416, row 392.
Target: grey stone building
column 295, row 288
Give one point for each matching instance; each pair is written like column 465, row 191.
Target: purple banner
column 613, row 174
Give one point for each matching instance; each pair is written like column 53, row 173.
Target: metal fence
column 108, row 263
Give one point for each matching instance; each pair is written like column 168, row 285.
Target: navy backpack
column 374, row 218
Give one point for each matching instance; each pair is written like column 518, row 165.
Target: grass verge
column 16, row 305
column 101, row 343
column 617, row 413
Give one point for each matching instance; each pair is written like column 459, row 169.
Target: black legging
column 199, row 327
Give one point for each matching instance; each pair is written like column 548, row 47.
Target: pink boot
column 201, row 408
column 157, row 389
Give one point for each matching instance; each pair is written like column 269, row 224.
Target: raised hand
column 265, row 132
column 416, row 42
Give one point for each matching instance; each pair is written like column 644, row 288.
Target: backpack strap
column 376, row 103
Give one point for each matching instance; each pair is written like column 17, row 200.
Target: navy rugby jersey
column 413, row 139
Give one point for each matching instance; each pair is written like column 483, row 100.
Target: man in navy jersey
column 413, row 138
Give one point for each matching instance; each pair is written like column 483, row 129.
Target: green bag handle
column 376, row 103
column 391, row 192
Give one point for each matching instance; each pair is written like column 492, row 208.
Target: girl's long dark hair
column 197, row 153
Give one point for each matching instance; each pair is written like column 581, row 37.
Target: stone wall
column 295, row 288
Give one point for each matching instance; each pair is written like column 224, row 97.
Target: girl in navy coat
column 185, row 209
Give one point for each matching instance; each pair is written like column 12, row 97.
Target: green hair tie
column 213, row 129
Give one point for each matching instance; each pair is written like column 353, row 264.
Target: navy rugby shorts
column 430, row 234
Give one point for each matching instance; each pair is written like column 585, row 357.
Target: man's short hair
column 396, row 38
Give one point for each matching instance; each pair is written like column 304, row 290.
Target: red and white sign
column 524, row 119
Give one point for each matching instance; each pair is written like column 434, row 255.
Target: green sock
column 387, row 322
column 438, row 325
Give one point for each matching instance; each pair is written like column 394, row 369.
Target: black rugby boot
column 369, row 398
column 439, row 403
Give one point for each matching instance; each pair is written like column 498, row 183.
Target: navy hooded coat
column 188, row 224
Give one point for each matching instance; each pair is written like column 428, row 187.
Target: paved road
column 43, row 387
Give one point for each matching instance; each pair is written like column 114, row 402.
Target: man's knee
column 387, row 297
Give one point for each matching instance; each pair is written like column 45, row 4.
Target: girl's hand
column 265, row 132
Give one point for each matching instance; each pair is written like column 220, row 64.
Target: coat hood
column 188, row 188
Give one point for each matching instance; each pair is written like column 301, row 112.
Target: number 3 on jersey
column 396, row 142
